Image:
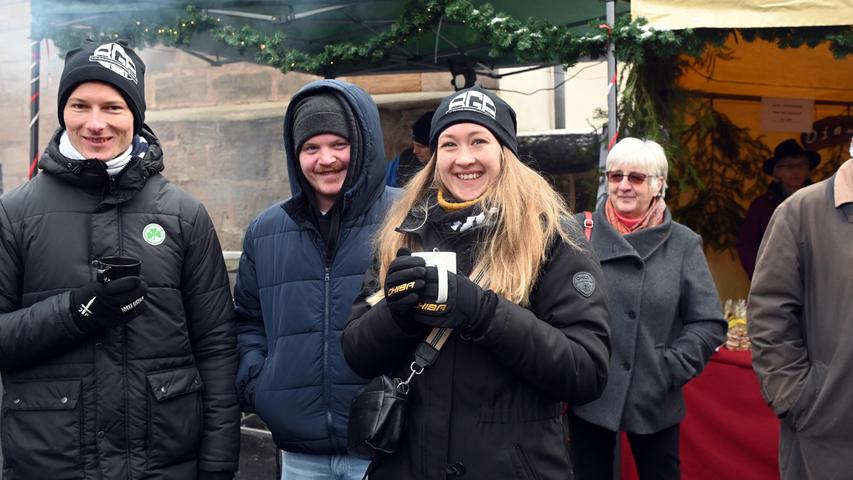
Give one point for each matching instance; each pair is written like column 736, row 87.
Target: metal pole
column 35, row 48
column 559, row 97
column 612, row 123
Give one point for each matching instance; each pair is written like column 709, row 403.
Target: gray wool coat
column 801, row 323
column 666, row 322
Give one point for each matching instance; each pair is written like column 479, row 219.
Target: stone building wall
column 14, row 92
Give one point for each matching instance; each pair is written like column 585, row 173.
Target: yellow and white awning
column 680, row 14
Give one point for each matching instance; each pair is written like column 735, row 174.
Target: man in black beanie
column 113, row 375
column 302, row 266
column 410, row 161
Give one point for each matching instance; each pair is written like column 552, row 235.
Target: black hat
column 479, row 106
column 316, row 114
column 420, row 129
column 112, row 63
column 790, row 148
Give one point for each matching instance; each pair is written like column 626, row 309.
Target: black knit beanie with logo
column 318, row 114
column 111, row 63
column 476, row 105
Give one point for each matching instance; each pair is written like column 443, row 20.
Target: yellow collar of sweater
column 454, row 206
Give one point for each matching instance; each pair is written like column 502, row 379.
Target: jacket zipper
column 120, row 233
column 326, row 393
column 123, row 341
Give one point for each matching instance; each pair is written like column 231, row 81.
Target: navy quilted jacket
column 293, row 302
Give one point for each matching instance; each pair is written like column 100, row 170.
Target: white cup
column 443, row 262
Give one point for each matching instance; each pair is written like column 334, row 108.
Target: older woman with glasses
column 666, row 319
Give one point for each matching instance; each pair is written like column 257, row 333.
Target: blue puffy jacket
column 294, row 302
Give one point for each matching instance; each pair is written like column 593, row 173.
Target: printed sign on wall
column 786, row 114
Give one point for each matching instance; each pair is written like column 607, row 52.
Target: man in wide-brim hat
column 790, row 166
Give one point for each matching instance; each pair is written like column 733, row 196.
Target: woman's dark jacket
column 665, row 319
column 151, row 399
column 295, row 287
column 489, row 408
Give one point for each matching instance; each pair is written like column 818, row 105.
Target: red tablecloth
column 728, row 431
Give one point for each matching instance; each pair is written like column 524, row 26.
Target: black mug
column 112, row 268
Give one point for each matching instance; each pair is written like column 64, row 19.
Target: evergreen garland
column 534, row 40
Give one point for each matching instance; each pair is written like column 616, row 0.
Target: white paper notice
column 787, row 114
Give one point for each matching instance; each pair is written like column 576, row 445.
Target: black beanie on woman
column 476, row 105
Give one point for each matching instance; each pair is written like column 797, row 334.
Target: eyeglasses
column 793, row 165
column 634, row 177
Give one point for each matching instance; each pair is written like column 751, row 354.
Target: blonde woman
column 526, row 305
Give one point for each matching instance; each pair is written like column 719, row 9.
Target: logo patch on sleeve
column 584, row 283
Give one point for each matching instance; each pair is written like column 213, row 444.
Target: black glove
column 468, row 306
column 106, row 305
column 404, row 280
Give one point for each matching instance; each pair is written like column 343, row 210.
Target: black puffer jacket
column 153, row 399
column 489, row 408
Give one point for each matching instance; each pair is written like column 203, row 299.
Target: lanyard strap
column 425, row 355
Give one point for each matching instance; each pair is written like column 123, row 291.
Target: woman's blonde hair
column 529, row 214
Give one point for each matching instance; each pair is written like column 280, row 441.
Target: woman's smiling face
column 468, row 160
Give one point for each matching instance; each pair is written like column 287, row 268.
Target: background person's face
column 98, row 121
column 792, row 172
column 421, row 151
column 629, row 199
column 468, row 160
column 324, row 160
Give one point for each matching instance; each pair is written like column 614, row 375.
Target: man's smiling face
column 98, row 121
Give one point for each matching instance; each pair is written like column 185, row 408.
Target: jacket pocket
column 41, row 430
column 802, row 411
column 521, row 464
column 175, row 418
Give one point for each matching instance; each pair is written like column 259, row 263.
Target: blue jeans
column 302, row 466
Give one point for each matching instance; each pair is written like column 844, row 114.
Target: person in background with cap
column 411, row 160
column 800, row 312
column 133, row 378
column 790, row 167
column 526, row 304
column 301, row 268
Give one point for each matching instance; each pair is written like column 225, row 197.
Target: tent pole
column 35, row 49
column 612, row 123
column 559, row 97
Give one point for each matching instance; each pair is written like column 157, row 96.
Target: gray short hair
column 646, row 155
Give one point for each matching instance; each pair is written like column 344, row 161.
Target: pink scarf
column 653, row 217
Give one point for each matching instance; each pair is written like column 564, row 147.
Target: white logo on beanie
column 113, row 57
column 473, row 101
